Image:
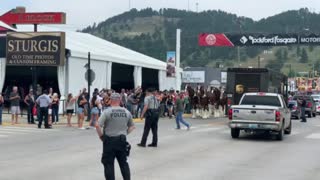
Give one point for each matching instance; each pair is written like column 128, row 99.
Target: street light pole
column 129, row 5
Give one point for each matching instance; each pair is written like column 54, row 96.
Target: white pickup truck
column 265, row 112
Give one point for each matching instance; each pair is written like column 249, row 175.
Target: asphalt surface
column 206, row 152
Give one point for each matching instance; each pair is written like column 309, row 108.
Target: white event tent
column 103, row 54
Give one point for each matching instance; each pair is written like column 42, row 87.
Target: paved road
column 206, row 152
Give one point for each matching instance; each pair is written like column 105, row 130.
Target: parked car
column 295, row 109
column 311, row 104
column 316, row 97
column 318, row 107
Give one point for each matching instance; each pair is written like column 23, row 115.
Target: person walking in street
column 151, row 113
column 1, row 106
column 55, row 108
column 82, row 101
column 180, row 110
column 116, row 123
column 15, row 105
column 303, row 104
column 44, row 102
column 29, row 100
column 70, row 104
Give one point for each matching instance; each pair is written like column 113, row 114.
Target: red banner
column 33, row 18
column 214, row 40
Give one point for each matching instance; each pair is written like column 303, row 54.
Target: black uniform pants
column 150, row 123
column 30, row 114
column 115, row 147
column 43, row 117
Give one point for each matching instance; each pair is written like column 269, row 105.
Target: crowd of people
column 45, row 105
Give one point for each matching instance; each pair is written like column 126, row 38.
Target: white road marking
column 3, row 136
column 314, row 136
column 206, row 129
column 295, row 133
column 10, row 132
column 22, row 129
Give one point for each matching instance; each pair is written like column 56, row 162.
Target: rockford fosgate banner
column 312, row 39
column 35, row 48
column 231, row 40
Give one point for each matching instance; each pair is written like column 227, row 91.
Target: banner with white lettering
column 35, row 48
column 193, row 77
column 231, row 40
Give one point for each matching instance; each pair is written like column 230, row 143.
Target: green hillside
column 153, row 33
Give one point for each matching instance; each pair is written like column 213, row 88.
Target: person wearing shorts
column 15, row 105
column 70, row 104
column 94, row 105
column 81, row 103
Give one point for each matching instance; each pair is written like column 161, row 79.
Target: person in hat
column 151, row 113
column 112, row 127
column 29, row 100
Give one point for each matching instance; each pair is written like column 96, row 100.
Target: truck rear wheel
column 288, row 130
column 280, row 134
column 235, row 133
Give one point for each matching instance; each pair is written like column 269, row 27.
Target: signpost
column 35, row 49
column 19, row 16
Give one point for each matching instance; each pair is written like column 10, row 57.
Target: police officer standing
column 44, row 101
column 151, row 114
column 117, row 123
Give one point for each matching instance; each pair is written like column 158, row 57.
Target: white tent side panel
column 76, row 77
column 99, row 67
column 2, row 72
column 77, row 72
column 166, row 83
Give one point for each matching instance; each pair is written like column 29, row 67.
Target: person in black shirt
column 30, row 102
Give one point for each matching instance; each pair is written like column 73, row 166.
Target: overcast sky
column 81, row 13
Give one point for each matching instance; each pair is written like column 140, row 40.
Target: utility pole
column 34, row 72
column 197, row 7
column 178, row 50
column 239, row 24
column 129, row 5
column 259, row 61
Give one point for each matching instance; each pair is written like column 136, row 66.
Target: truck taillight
column 278, row 115
column 294, row 108
column 229, row 102
column 230, row 114
column 309, row 104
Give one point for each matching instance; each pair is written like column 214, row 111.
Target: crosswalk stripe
column 27, row 129
column 19, row 130
column 314, row 136
column 3, row 136
column 10, row 132
column 206, row 129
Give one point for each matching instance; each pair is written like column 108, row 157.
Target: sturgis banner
column 35, row 48
column 254, row 39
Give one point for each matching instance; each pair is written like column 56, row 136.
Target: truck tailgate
column 253, row 113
